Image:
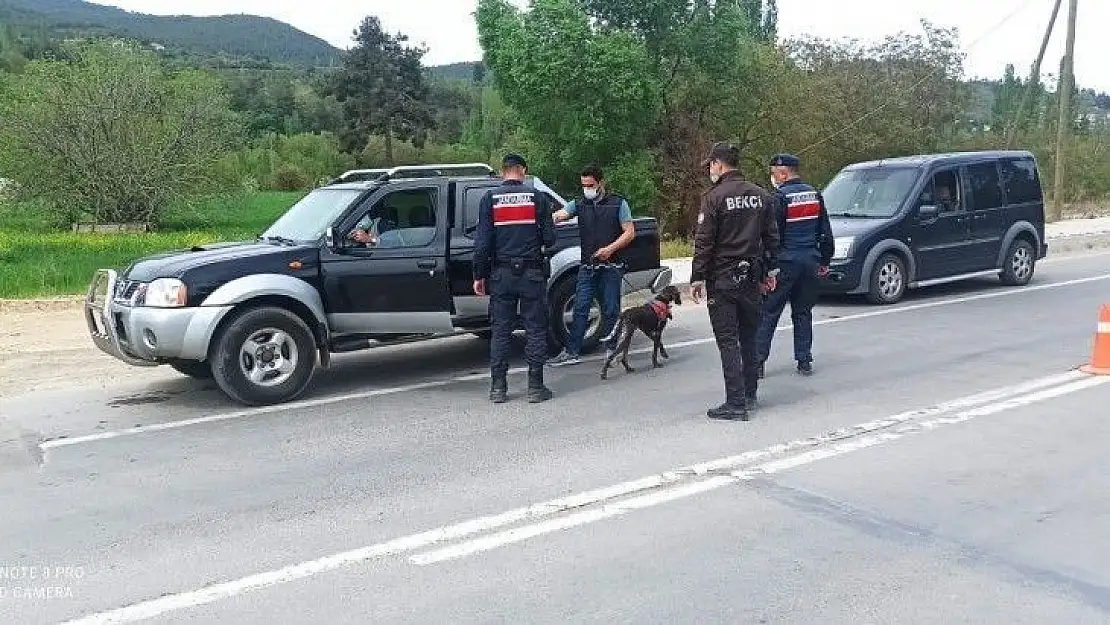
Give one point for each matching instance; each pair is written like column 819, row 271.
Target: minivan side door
column 940, row 241
column 987, row 209
column 398, row 284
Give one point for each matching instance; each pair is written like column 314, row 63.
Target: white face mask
column 589, row 193
column 714, row 178
column 775, row 182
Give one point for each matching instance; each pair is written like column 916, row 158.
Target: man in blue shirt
column 605, row 228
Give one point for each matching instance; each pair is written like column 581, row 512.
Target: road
column 946, row 464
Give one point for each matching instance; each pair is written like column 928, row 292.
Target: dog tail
column 617, row 327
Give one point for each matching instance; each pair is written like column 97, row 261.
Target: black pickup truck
column 258, row 316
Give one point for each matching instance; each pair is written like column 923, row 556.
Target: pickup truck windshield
column 872, row 192
column 308, row 219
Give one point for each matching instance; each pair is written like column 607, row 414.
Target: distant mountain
column 250, row 37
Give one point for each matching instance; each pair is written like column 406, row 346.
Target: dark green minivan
column 917, row 221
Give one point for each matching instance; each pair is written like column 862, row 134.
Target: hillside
column 248, row 37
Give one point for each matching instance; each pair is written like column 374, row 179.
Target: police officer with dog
column 735, row 258
column 514, row 231
column 806, row 250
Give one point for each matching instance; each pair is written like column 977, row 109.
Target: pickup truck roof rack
column 405, row 171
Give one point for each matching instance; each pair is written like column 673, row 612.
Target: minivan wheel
column 264, row 356
column 1017, row 269
column 888, row 280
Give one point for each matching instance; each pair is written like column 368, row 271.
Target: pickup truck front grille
column 125, row 290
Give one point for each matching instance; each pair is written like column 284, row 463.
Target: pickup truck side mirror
column 928, row 212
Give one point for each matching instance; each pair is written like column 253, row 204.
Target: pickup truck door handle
column 427, row 264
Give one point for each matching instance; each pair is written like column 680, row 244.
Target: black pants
column 507, row 291
column 734, row 312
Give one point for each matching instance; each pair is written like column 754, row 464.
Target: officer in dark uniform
column 514, row 228
column 804, row 257
column 734, row 252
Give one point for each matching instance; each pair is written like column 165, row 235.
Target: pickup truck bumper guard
column 142, row 336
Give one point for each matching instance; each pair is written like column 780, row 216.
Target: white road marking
column 518, row 534
column 358, row 395
column 682, row 482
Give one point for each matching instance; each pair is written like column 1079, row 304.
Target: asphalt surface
column 986, row 512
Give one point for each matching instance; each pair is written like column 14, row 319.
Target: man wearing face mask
column 804, row 256
column 605, row 228
column 734, row 256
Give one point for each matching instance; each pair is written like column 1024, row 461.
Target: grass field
column 38, row 260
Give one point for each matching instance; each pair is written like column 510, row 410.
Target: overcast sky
column 447, row 26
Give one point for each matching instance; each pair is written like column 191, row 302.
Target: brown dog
column 650, row 318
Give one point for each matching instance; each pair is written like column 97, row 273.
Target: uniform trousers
column 507, row 291
column 799, row 285
column 734, row 315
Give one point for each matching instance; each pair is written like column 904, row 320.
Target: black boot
column 499, row 389
column 537, row 392
column 728, row 412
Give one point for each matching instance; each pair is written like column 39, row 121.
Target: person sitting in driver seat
column 364, row 232
column 945, row 202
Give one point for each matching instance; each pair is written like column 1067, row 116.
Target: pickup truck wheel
column 199, row 369
column 264, row 356
column 561, row 315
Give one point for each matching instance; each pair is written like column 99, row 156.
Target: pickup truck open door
column 397, row 285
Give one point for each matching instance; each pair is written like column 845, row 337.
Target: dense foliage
column 641, row 87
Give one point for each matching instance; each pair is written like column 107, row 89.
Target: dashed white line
column 333, row 399
column 518, row 534
column 668, row 486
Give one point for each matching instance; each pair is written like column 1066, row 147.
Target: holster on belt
column 745, row 271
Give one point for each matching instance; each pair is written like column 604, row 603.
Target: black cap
column 785, row 160
column 725, row 152
column 513, row 159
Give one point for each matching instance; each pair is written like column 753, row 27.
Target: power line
column 917, row 84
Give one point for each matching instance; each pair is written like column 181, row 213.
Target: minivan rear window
column 1021, row 181
column 869, row 192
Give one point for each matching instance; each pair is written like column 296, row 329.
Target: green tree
column 381, row 86
column 112, row 132
column 582, row 95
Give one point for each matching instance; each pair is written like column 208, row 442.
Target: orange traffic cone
column 1100, row 359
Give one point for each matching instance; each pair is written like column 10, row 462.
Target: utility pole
column 1034, row 76
column 1067, row 82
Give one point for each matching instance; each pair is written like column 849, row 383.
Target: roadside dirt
column 51, row 350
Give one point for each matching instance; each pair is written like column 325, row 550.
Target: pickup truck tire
column 560, row 303
column 199, row 369
column 263, row 356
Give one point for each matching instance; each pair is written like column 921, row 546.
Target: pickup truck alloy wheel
column 264, row 356
column 888, row 280
column 268, row 357
column 561, row 316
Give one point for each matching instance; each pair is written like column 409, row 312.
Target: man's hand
column 822, row 271
column 480, row 287
column 697, row 290
column 770, row 284
column 604, row 253
column 364, row 237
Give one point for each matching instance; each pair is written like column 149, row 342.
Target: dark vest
column 599, row 225
column 799, row 221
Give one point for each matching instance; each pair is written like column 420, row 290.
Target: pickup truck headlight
column 163, row 293
column 842, row 247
